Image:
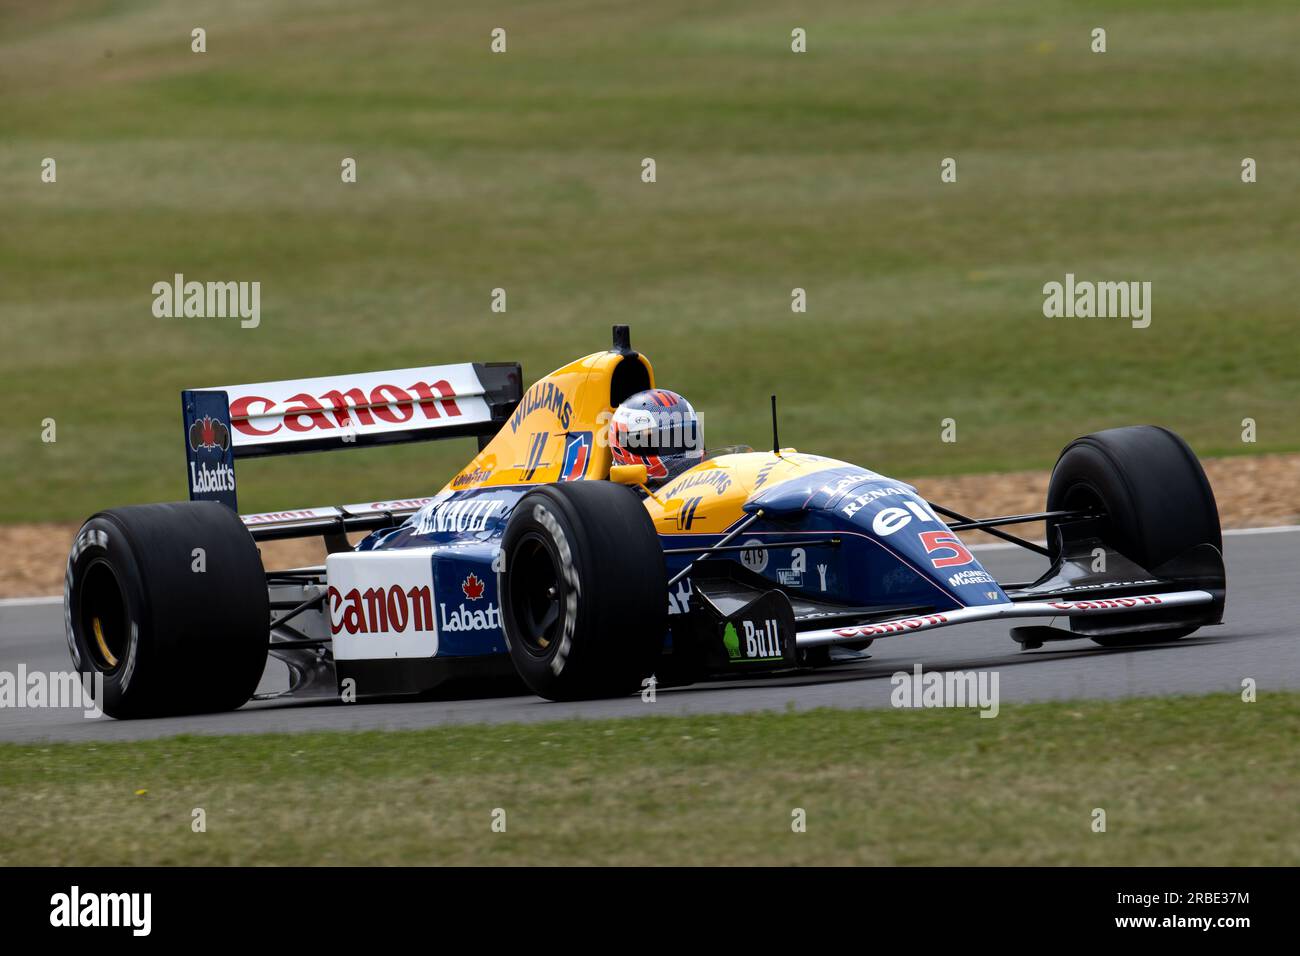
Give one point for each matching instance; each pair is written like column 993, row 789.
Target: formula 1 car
column 544, row 560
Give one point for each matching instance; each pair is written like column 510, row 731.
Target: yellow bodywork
column 709, row 498
column 529, row 449
column 574, row 398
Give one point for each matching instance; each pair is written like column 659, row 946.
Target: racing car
column 563, row 556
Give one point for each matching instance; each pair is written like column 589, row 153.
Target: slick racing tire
column 169, row 603
column 1157, row 501
column 584, row 591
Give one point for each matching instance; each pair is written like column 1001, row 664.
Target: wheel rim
column 536, row 594
column 1083, row 496
column 103, row 616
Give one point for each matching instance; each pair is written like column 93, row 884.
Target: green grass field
column 521, row 170
column 877, row 787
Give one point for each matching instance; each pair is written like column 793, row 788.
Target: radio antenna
column 776, row 442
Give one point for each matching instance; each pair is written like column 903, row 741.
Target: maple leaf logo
column 208, row 432
column 472, row 587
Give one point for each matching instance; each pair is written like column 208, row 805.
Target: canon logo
column 1106, row 604
column 892, row 627
column 381, row 610
column 337, row 408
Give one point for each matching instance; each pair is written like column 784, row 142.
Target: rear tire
column 584, row 591
column 167, row 637
column 1157, row 500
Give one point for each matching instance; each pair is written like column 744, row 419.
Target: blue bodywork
column 891, row 550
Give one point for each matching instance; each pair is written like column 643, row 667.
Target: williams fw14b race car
column 550, row 558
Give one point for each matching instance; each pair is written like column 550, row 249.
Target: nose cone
column 903, row 523
column 894, row 549
column 815, row 491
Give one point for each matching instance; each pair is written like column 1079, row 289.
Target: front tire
column 584, row 591
column 1156, row 498
column 169, row 603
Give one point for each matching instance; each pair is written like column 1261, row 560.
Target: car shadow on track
column 870, row 670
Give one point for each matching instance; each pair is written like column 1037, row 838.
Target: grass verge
column 1183, row 780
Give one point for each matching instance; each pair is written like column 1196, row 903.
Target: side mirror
column 628, row 474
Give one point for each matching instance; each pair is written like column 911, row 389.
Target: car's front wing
column 966, row 615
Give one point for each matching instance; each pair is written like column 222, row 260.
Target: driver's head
column 659, row 429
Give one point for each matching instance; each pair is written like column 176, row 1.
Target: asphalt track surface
column 1259, row 639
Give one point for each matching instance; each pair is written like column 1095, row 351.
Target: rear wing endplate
column 339, row 411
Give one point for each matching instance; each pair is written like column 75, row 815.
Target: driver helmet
column 659, row 429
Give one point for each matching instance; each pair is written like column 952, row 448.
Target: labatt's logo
column 543, row 395
column 218, row 478
column 208, row 432
column 471, row 619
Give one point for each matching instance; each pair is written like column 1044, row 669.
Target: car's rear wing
column 340, row 411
